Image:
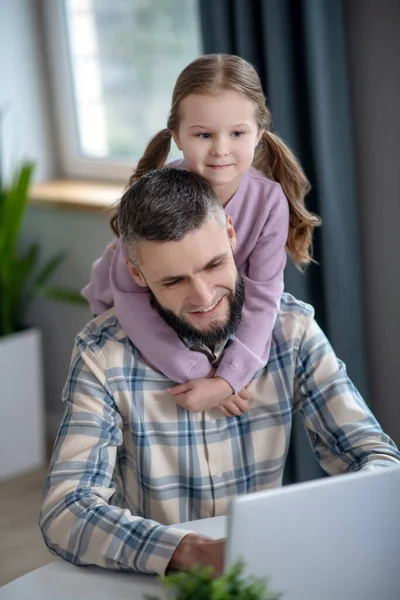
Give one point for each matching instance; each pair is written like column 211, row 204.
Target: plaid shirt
column 128, row 462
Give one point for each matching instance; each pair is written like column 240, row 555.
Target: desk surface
column 62, row 581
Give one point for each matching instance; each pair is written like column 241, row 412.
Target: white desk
column 62, row 581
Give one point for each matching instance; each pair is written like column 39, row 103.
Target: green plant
column 199, row 584
column 21, row 278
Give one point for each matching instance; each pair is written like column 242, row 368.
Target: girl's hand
column 211, row 392
column 236, row 405
column 201, row 394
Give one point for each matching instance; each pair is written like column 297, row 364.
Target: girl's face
column 218, row 135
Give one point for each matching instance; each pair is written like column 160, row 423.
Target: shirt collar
column 215, row 355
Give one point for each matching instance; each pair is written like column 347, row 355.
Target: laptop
column 330, row 539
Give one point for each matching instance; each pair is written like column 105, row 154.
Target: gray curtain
column 298, row 49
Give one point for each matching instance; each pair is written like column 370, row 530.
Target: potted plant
column 22, row 437
column 200, row 584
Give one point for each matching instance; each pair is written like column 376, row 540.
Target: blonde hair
column 219, row 72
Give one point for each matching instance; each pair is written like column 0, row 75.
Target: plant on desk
column 199, row 584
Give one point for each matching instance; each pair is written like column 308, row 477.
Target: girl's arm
column 98, row 291
column 250, row 349
column 160, row 345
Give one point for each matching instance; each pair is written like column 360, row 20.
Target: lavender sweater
column 260, row 215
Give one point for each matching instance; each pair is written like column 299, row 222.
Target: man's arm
column 76, row 520
column 344, row 434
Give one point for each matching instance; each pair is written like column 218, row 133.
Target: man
column 129, row 462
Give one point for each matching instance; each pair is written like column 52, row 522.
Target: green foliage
column 21, row 279
column 199, row 584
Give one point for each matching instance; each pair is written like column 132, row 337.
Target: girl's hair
column 219, row 72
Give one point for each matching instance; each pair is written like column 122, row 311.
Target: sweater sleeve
column 98, row 291
column 263, row 280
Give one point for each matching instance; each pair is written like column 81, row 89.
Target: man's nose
column 220, row 146
column 201, row 294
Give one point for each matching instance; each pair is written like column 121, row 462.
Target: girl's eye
column 204, row 136
column 238, row 133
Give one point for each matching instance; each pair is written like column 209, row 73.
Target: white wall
column 374, row 61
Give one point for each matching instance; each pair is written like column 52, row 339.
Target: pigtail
column 277, row 162
column 154, row 157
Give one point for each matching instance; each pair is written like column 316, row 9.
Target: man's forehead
column 165, row 259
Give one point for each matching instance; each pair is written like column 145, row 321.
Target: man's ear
column 136, row 274
column 231, row 232
column 175, row 137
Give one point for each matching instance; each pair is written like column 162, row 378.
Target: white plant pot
column 22, row 426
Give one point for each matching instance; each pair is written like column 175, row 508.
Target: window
column 114, row 64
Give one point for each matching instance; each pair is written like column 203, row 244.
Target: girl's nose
column 219, row 147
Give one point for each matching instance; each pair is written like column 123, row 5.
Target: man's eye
column 171, row 283
column 214, row 265
column 204, row 136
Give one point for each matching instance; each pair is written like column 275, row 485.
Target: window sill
column 73, row 195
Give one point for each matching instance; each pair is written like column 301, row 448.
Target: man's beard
column 217, row 332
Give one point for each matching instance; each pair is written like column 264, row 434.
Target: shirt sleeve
column 263, row 281
column 77, row 520
column 344, row 434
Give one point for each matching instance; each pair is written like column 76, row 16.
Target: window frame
column 72, row 163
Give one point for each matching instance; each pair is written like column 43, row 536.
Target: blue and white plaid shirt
column 129, row 462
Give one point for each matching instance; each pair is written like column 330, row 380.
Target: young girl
column 220, row 122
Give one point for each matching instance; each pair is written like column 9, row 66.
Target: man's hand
column 201, row 394
column 194, row 549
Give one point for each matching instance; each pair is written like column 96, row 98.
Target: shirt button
column 218, row 475
column 213, row 421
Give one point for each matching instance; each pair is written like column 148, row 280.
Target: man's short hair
column 165, row 205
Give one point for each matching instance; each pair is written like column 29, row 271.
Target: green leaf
column 28, row 262
column 14, row 204
column 47, row 271
column 199, row 584
column 20, row 279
